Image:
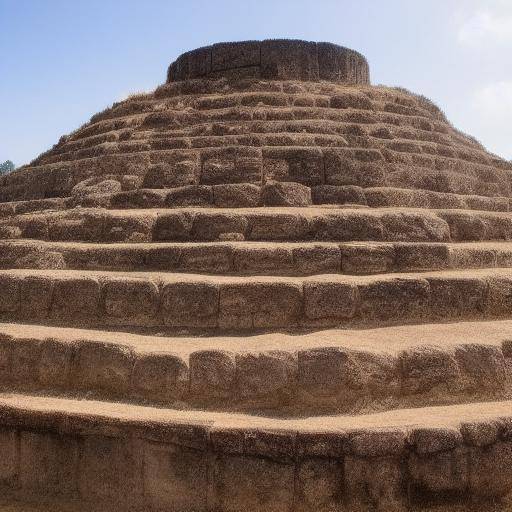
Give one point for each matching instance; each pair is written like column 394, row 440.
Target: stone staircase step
column 256, row 258
column 334, row 371
column 142, row 458
column 250, row 195
column 270, row 224
column 195, row 301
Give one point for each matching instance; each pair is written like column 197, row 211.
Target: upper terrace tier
column 277, row 59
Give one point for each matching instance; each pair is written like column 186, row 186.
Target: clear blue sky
column 61, row 61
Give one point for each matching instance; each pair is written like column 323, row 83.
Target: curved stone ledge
column 277, row 59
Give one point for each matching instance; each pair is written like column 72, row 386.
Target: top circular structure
column 274, row 59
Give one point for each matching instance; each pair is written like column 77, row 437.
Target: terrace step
column 328, row 223
column 141, row 458
column 324, row 372
column 238, row 303
column 256, row 258
column 250, row 195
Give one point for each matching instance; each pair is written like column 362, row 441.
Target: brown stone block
column 377, row 443
column 351, row 100
column 343, row 167
column 462, row 297
column 76, row 299
column 9, row 462
column 249, row 483
column 55, row 363
column 84, row 226
column 191, row 195
column 190, row 304
column 231, row 165
column 173, row 226
column 218, row 226
column 425, row 368
column 499, row 296
column 430, row 440
column 262, row 259
column 359, row 258
column 36, row 295
column 235, row 55
column 10, row 291
column 141, row 198
column 173, row 169
column 483, row 366
column 237, row 195
column 286, row 194
column 348, row 226
column 175, row 478
column 413, row 227
column 490, row 472
column 215, row 258
column 270, row 374
column 130, row 301
column 287, row 59
column 304, row 165
column 316, row 259
column 413, row 257
column 323, row 371
column 480, row 433
column 110, row 470
column 103, row 368
column 258, row 305
column 322, row 444
column 330, row 300
column 160, row 377
column 49, row 464
column 25, row 358
column 320, row 486
column 333, row 194
column 438, row 473
column 212, row 373
column 374, row 484
column 121, row 228
column 267, row 226
column 394, row 299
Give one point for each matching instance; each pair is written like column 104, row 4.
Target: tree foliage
column 6, row 167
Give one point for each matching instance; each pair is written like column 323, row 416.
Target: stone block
column 49, row 464
column 212, row 373
column 55, row 363
column 428, row 440
column 438, row 473
column 36, row 296
column 249, row 483
column 426, row 368
column 334, row 194
column 348, row 226
column 342, row 167
column 210, row 258
column 237, row 195
column 10, row 292
column 457, row 297
column 268, row 226
column 141, row 198
column 281, row 193
column 190, row 304
column 330, row 300
column 162, row 377
column 320, row 485
column 129, row 228
column 175, row 478
column 256, row 304
column 173, row 226
column 266, row 374
column 262, row 259
column 316, row 259
column 130, row 301
column 377, row 443
column 215, row 226
column 359, row 258
column 394, row 299
column 76, row 299
column 283, row 59
column 173, row 170
column 299, row 165
column 103, row 368
column 230, row 165
column 191, row 195
column 110, row 470
column 412, row 257
column 85, row 227
column 9, row 462
column 235, row 55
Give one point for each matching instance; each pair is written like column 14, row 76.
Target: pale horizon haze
column 61, row 61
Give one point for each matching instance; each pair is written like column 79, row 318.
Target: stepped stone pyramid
column 266, row 286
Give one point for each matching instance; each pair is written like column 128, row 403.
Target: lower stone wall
column 199, row 468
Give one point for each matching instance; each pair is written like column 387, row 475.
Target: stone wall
column 277, row 59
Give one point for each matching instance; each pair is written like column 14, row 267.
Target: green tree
column 6, row 167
